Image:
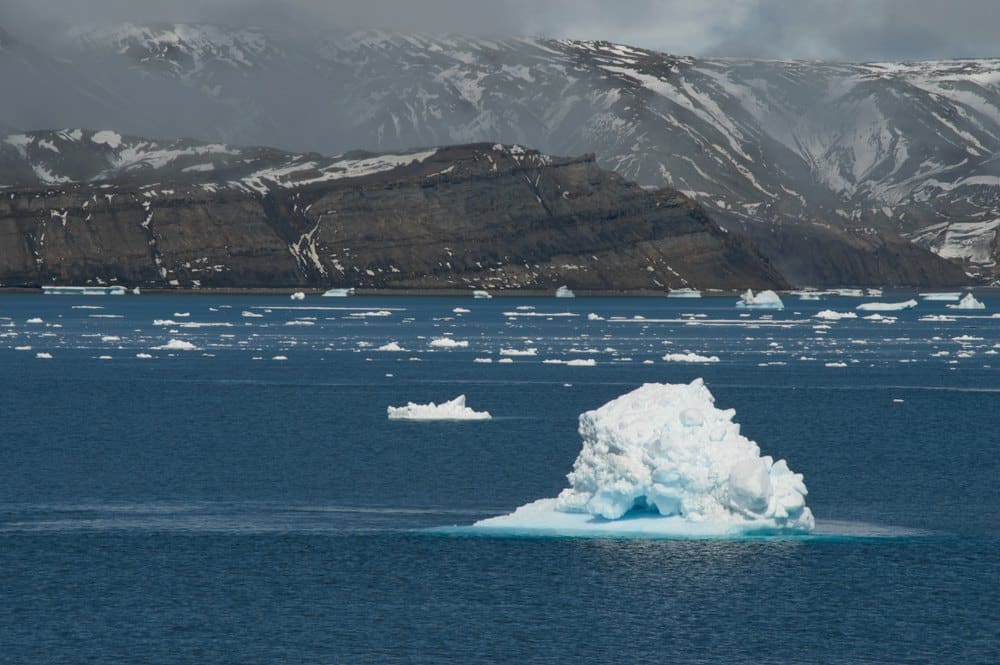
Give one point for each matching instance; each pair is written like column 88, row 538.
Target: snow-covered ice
column 391, row 346
column 763, row 300
column 176, row 345
column 451, row 410
column 968, row 302
column 689, row 358
column 830, row 315
column 448, row 343
column 298, row 295
column 662, row 460
column 886, row 306
column 564, row 292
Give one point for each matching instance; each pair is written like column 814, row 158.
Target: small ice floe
column 338, row 293
column 35, row 320
column 763, row 300
column 942, row 296
column 298, row 295
column 247, row 314
column 460, row 310
column 886, row 306
column 391, row 346
column 830, row 315
column 482, row 360
column 143, row 356
column 481, row 295
column 376, row 313
column 835, row 364
column 448, row 343
column 506, row 361
column 690, row 358
column 937, row 318
column 176, row 345
column 110, row 338
column 300, row 322
column 451, row 410
column 42, row 355
column 594, row 317
column 575, row 362
column 104, row 357
column 564, row 292
column 182, row 315
column 896, row 400
column 968, row 302
column 531, row 351
column 279, row 357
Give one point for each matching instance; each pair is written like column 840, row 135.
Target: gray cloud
column 811, row 29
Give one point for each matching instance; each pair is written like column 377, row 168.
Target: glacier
column 662, row 460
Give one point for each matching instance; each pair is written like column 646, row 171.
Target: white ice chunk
column 830, row 315
column 448, row 343
column 452, row 410
column 886, row 306
column 664, row 460
column 298, row 295
column 176, row 345
column 689, row 358
column 968, row 302
column 763, row 300
column 391, row 346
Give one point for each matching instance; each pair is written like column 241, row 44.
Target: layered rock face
column 490, row 216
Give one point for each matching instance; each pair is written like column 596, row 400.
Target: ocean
column 239, row 496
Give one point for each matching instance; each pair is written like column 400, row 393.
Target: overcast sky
column 810, row 29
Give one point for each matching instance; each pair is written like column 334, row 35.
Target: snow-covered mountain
column 799, row 155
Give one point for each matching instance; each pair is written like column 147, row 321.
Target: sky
column 854, row 30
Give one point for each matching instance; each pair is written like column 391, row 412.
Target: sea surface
column 248, row 501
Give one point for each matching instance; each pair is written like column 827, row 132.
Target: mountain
column 90, row 206
column 831, row 169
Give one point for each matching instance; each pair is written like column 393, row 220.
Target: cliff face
column 480, row 215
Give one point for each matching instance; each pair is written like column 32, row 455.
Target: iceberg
column 564, row 292
column 481, row 295
column 663, row 460
column 451, row 410
column 176, row 345
column 968, row 302
column 689, row 358
column 886, row 306
column 298, row 295
column 942, row 296
column 830, row 315
column 448, row 343
column 763, row 300
column 683, row 293
column 338, row 293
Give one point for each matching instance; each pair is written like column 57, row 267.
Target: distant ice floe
column 391, row 346
column 830, row 315
column 689, row 358
column 531, row 351
column 947, row 296
column 176, row 345
column 968, row 302
column 663, row 461
column 298, row 295
column 460, row 310
column 564, row 292
column 448, row 343
column 451, row 410
column 42, row 355
column 576, row 362
column 886, row 306
column 763, row 300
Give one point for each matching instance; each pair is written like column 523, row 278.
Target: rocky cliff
column 91, row 207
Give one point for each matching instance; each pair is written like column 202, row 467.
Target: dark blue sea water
column 220, row 506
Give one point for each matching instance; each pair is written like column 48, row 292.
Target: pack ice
column 662, row 460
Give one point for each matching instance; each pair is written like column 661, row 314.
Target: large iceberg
column 451, row 410
column 763, row 300
column 968, row 302
column 663, row 460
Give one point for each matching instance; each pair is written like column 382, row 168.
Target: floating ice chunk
column 452, row 410
column 176, row 345
column 22, row 348
column 298, row 295
column 664, row 460
column 763, row 300
column 104, row 357
column 886, row 306
column 564, row 292
column 182, row 315
column 279, row 357
column 835, row 364
column 506, row 361
column 391, row 346
column 35, row 319
column 943, row 296
column 143, row 356
column 532, row 351
column 594, row 317
column 460, row 310
column 689, row 358
column 576, row 362
column 448, row 343
column 830, row 315
column 338, row 293
column 968, row 302
column 481, row 295
column 43, row 355
column 482, row 360
column 247, row 314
